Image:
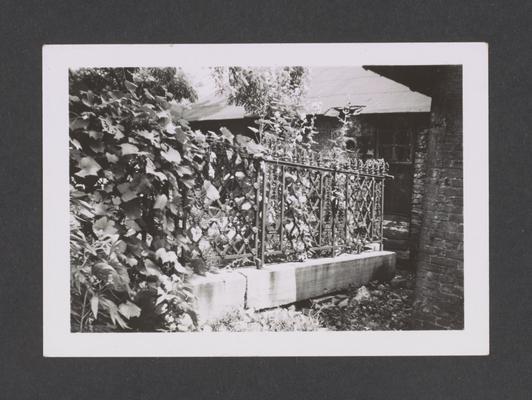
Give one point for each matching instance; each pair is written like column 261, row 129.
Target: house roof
column 329, row 88
column 421, row 78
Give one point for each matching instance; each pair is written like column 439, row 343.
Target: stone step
column 396, row 228
column 394, row 244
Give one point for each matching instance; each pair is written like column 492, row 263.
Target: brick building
column 439, row 199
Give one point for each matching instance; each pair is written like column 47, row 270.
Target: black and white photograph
column 218, row 200
column 301, row 200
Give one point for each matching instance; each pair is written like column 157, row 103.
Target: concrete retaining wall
column 279, row 284
column 217, row 294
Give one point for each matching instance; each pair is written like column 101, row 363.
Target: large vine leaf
column 94, row 305
column 211, row 193
column 104, row 227
column 160, row 202
column 129, row 149
column 112, row 309
column 88, row 166
column 150, row 268
column 129, row 309
column 111, row 158
column 79, row 123
column 172, row 155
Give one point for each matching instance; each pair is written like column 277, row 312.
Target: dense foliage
column 132, row 159
column 337, row 149
column 276, row 97
column 143, row 188
column 260, row 90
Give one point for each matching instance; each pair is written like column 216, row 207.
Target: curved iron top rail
column 324, row 168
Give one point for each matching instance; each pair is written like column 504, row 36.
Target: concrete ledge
column 286, row 283
column 217, row 294
column 279, row 284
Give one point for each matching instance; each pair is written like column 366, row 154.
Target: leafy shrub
column 261, row 90
column 132, row 160
column 141, row 185
column 276, row 320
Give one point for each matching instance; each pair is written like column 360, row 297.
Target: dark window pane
column 402, row 137
column 387, row 153
column 386, row 137
column 402, row 153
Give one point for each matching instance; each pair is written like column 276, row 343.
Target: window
column 395, row 146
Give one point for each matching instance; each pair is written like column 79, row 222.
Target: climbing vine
column 132, row 160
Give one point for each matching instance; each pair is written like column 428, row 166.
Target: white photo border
column 59, row 341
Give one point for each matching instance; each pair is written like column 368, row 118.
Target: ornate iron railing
column 291, row 204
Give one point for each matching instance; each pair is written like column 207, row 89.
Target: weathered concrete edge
column 280, row 284
column 218, row 294
column 286, row 283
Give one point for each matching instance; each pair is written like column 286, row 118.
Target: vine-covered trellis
column 292, row 203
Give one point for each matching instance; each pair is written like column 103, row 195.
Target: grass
column 275, row 320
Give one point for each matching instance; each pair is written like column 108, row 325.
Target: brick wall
column 439, row 284
column 418, row 186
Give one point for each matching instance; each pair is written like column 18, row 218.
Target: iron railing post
column 320, row 232
column 346, row 208
column 372, row 230
column 281, row 227
column 263, row 214
column 381, row 247
column 334, row 205
column 258, row 166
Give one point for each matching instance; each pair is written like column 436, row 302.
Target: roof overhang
column 420, row 78
column 330, row 89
